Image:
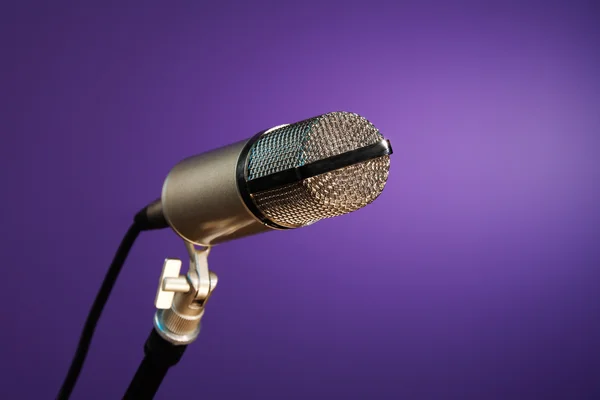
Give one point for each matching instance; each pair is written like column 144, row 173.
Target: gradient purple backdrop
column 474, row 275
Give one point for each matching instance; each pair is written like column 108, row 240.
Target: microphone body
column 201, row 200
column 282, row 178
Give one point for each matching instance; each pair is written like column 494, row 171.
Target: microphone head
column 314, row 169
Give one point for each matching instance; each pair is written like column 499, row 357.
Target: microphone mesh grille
column 323, row 196
column 311, row 140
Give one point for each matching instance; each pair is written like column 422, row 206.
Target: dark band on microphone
column 244, row 189
column 293, row 175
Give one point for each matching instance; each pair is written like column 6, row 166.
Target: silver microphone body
column 201, row 200
column 282, row 178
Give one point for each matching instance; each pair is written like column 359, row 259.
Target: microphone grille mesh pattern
column 307, row 141
column 323, row 196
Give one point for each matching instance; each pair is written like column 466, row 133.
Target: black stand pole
column 160, row 355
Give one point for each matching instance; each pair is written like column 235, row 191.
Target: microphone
column 282, row 178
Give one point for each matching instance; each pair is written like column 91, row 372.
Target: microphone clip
column 181, row 299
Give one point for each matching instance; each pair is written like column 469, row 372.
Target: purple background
column 474, row 275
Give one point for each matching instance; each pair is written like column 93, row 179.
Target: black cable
column 150, row 217
column 97, row 307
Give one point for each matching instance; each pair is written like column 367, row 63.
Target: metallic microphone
column 285, row 177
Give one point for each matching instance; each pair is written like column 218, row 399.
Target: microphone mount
column 181, row 299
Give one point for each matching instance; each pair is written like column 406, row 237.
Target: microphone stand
column 180, row 301
column 160, row 355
